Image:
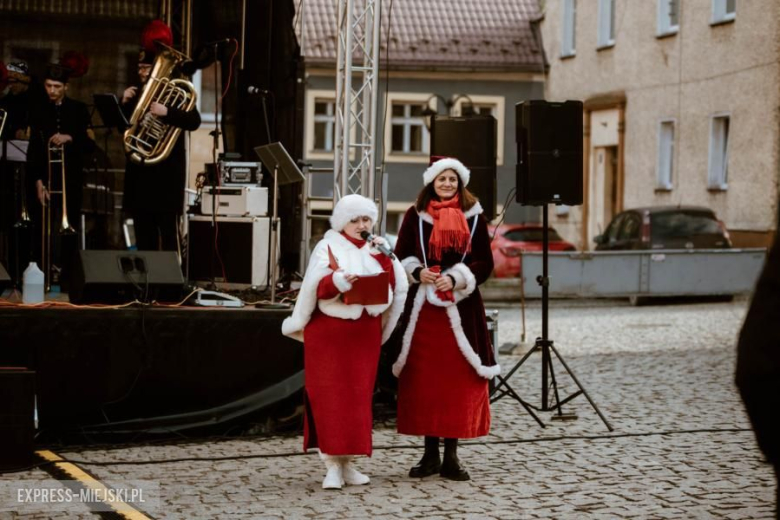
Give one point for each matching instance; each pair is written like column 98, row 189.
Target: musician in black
column 154, row 195
column 58, row 121
column 16, row 102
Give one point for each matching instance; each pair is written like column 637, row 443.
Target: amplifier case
column 236, row 201
column 243, row 244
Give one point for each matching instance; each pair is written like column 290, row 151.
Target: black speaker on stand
column 471, row 140
column 549, row 152
column 549, row 171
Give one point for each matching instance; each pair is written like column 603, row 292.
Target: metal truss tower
column 177, row 14
column 357, row 79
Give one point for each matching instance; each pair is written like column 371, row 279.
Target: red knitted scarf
column 450, row 230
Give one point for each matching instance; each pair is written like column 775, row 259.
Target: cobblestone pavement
column 662, row 375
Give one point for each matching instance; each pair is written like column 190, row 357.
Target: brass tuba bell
column 149, row 140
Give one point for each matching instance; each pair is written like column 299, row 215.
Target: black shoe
column 426, row 467
column 454, row 471
column 451, row 468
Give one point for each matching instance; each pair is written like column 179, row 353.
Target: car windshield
column 683, row 224
column 531, row 235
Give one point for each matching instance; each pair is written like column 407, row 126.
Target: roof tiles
column 439, row 34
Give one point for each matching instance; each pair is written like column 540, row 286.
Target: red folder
column 368, row 289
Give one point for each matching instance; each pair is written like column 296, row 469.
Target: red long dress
column 341, row 357
column 439, row 393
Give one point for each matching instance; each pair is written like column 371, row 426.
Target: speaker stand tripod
column 545, row 345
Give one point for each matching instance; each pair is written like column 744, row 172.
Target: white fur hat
column 352, row 206
column 439, row 164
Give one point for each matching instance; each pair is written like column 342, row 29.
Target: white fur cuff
column 465, row 281
column 411, row 263
column 340, row 281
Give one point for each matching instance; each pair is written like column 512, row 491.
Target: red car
column 511, row 240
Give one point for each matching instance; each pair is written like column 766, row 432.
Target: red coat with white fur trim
column 468, row 323
column 352, row 260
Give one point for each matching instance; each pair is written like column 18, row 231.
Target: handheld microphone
column 368, row 237
column 252, row 90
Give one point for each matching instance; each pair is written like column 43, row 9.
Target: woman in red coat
column 446, row 356
column 342, row 339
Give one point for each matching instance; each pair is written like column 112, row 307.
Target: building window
column 485, row 105
column 719, row 152
column 324, row 124
column 407, row 138
column 665, row 169
column 606, row 23
column 668, row 17
column 320, row 127
column 723, row 10
column 408, row 128
column 569, row 38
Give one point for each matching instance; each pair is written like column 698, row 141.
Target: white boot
column 334, row 478
column 352, row 476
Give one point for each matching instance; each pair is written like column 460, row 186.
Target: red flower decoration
column 76, row 63
column 156, row 31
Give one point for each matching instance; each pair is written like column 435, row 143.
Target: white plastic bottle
column 32, row 284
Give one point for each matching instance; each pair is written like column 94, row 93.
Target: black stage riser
column 17, row 429
column 135, row 363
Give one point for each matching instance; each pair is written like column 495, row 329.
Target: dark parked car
column 511, row 240
column 664, row 227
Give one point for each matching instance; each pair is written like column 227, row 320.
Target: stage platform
column 148, row 369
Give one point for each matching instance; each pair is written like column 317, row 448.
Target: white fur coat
column 351, row 260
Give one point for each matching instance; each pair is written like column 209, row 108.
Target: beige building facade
column 681, row 107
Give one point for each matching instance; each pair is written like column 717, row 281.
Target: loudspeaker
column 549, row 152
column 17, row 409
column 124, row 276
column 5, row 279
column 471, row 140
column 240, row 258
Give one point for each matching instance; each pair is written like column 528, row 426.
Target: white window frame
column 309, row 119
column 665, row 26
column 312, row 96
column 497, row 105
column 606, row 26
column 329, row 118
column 407, row 97
column 666, row 154
column 569, row 29
column 720, row 14
column 718, row 164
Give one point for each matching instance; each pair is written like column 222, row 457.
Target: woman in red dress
column 342, row 339
column 446, row 356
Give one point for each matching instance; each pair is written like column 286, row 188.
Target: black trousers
column 156, row 231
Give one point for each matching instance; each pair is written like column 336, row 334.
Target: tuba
column 149, row 140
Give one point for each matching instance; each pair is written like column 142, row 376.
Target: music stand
column 275, row 158
column 110, row 112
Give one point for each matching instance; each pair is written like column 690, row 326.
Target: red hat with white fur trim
column 438, row 164
column 352, row 206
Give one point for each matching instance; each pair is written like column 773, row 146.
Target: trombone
column 56, row 156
